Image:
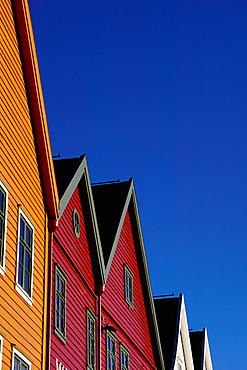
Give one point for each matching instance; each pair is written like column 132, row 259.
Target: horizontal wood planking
column 20, row 323
column 136, row 359
column 73, row 256
column 132, row 322
column 77, row 248
column 78, row 298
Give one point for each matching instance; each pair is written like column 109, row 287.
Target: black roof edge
column 120, row 224
column 77, row 172
column 72, row 182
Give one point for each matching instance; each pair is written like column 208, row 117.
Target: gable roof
column 69, row 173
column 167, row 316
column 172, row 322
column 111, row 203
column 196, row 340
column 108, row 206
column 200, row 350
column 36, row 105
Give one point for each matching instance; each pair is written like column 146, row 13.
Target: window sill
column 23, row 294
column 130, row 304
column 2, row 270
column 60, row 335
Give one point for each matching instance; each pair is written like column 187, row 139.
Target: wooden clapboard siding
column 131, row 323
column 20, row 324
column 72, row 254
column 77, row 249
column 78, row 298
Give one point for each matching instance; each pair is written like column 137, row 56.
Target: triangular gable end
column 197, row 346
column 127, row 205
column 167, row 317
column 207, row 361
column 201, row 350
column 111, row 202
column 174, row 334
column 70, row 174
column 183, row 351
column 146, row 283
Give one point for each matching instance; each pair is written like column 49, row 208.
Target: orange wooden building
column 28, row 195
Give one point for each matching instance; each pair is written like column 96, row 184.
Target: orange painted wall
column 20, row 324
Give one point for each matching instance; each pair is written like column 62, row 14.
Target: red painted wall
column 76, row 248
column 131, row 324
column 73, row 256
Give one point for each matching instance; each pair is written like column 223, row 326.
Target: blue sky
column 157, row 90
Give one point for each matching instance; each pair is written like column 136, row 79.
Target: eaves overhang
column 36, row 105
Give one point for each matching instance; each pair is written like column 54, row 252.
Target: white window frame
column 62, row 276
column 17, row 353
column 128, row 291
column 1, row 351
column 124, row 350
column 18, row 287
column 91, row 317
column 5, row 190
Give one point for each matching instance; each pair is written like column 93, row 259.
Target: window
column 124, row 358
column 128, row 286
column 76, row 223
column 1, row 350
column 60, row 303
column 111, row 351
column 90, row 340
column 25, row 256
column 20, row 362
column 3, row 224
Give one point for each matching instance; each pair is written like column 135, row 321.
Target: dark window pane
column 61, row 289
column 27, row 260
column 22, row 227
column 61, row 324
column 57, row 282
column 1, row 227
column 56, row 302
column 21, row 253
column 60, row 301
column 1, row 201
column 28, row 237
column 16, row 364
column 24, row 367
column 108, row 362
column 57, row 319
column 20, row 274
column 27, row 282
column 61, row 309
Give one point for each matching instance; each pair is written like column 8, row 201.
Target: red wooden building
column 102, row 313
column 127, row 303
column 77, row 267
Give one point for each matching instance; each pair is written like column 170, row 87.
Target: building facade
column 75, row 291
column 102, row 310
column 28, row 195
